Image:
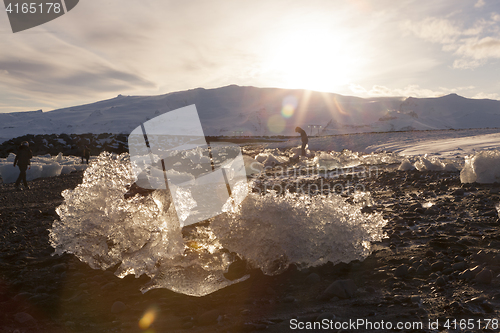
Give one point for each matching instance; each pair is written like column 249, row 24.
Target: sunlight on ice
column 483, row 167
column 274, row 231
column 143, row 234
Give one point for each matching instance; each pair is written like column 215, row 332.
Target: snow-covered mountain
column 235, row 110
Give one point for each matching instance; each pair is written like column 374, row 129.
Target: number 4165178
column 34, row 8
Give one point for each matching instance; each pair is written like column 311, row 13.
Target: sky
column 363, row 48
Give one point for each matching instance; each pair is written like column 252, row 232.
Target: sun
column 313, row 58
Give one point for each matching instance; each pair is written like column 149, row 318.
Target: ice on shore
column 273, row 231
column 273, row 157
column 406, row 165
column 41, row 166
column 268, row 159
column 483, row 167
column 429, row 163
column 346, row 159
column 252, row 167
column 144, row 236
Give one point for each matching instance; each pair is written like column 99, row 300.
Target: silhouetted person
column 86, row 154
column 304, row 139
column 23, row 160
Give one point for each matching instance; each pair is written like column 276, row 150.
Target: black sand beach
column 437, row 264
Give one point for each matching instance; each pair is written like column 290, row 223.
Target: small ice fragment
column 429, row 164
column 406, row 165
column 51, row 170
column 252, row 166
column 427, row 204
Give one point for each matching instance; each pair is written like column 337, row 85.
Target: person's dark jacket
column 303, row 135
column 86, row 152
column 23, row 157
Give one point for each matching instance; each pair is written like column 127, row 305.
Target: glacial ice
column 143, row 234
column 483, row 167
column 273, row 231
column 347, row 159
column 268, row 159
column 51, row 169
column 430, row 163
column 252, row 167
column 406, row 165
column 41, row 166
column 9, row 173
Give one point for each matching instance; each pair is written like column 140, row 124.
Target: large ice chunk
column 274, row 231
column 10, row 173
column 102, row 228
column 483, row 167
column 51, row 170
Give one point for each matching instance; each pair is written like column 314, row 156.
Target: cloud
column 476, row 52
column 139, row 48
column 457, row 89
column 54, row 78
column 471, row 46
column 408, row 91
column 467, row 63
column 433, row 29
column 101, row 49
column 49, row 69
column 357, row 89
column 483, row 95
column 479, row 4
column 484, row 48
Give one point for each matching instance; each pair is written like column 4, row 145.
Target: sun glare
column 315, row 59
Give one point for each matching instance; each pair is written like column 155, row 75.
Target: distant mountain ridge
column 237, row 110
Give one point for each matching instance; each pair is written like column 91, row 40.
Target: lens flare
column 289, row 104
column 287, row 111
column 276, row 123
column 148, row 318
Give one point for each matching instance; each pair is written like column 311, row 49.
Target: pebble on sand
column 401, row 271
column 24, row 318
column 209, row 318
column 118, row 307
column 484, row 277
column 313, row 279
column 440, row 282
column 437, row 266
column 341, row 289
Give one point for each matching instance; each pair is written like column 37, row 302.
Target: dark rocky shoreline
column 438, row 263
column 67, row 144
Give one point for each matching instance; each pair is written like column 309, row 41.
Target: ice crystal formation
column 141, row 234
